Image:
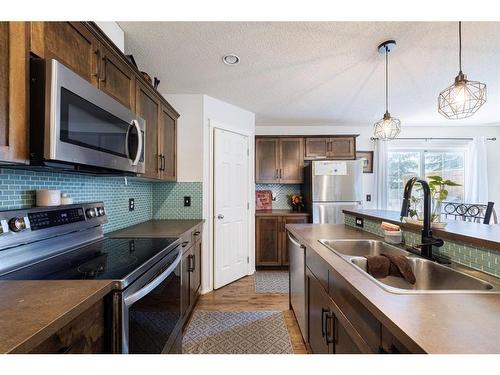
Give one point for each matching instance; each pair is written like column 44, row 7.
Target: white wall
column 198, row 114
column 113, row 32
column 189, row 136
column 364, row 144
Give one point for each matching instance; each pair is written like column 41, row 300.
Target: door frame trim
column 212, row 125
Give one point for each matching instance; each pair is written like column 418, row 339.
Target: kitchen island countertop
column 449, row 323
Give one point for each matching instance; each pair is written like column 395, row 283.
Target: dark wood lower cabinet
column 270, row 238
column 83, row 335
column 327, row 334
column 190, row 270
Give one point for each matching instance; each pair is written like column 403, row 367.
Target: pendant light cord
column 460, row 45
column 386, row 78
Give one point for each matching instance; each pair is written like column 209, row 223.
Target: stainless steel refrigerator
column 331, row 186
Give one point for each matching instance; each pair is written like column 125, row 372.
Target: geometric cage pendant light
column 463, row 98
column 387, row 127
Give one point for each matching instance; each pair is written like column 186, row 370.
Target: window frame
column 422, row 148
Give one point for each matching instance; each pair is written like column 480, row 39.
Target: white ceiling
column 321, row 72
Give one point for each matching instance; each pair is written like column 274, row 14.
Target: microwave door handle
column 139, row 144
column 153, row 284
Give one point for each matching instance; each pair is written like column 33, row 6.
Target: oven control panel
column 33, row 224
column 47, row 219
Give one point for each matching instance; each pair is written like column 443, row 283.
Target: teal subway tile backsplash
column 281, row 193
column 152, row 199
column 484, row 260
column 169, row 200
column 17, row 190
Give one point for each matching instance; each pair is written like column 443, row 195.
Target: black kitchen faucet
column 428, row 240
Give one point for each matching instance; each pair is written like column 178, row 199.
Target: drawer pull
column 185, row 243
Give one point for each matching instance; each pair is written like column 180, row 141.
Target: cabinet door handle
column 277, row 173
column 333, row 338
column 194, row 262
column 163, row 163
column 323, row 321
column 280, row 173
column 191, row 261
column 105, row 59
column 97, row 62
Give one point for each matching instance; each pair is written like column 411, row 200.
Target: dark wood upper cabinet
column 266, row 160
column 317, row 147
column 291, row 160
column 14, row 100
column 148, row 107
column 342, row 147
column 116, row 78
column 279, row 160
column 167, row 131
column 71, row 43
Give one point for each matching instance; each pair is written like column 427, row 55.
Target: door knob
column 220, row 216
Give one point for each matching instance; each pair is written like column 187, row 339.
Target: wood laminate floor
column 240, row 296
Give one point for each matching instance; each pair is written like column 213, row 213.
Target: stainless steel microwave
column 77, row 127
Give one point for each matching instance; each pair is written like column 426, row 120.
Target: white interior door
column 231, row 170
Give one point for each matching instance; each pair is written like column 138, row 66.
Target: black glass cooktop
column 106, row 259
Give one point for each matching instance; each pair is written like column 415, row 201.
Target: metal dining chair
column 477, row 213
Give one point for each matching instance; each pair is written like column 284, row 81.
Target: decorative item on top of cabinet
column 279, row 160
column 336, row 147
column 270, row 238
column 14, row 93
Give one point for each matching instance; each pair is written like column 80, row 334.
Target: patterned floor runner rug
column 271, row 282
column 228, row 332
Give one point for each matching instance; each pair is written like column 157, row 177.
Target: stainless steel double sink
column 431, row 277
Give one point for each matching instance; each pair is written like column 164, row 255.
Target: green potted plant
column 439, row 193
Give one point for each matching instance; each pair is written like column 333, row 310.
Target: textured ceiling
column 321, row 72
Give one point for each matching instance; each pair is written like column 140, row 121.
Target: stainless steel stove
column 67, row 243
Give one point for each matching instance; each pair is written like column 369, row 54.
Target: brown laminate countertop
column 157, row 228
column 424, row 323
column 31, row 311
column 475, row 234
column 280, row 213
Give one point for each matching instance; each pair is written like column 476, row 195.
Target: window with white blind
column 407, row 162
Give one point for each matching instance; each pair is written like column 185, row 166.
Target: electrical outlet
column 131, row 204
column 187, row 201
column 359, row 222
column 368, row 197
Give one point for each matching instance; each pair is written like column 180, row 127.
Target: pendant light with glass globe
column 463, row 98
column 388, row 127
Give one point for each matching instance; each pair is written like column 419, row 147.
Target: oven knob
column 100, row 211
column 90, row 212
column 17, row 224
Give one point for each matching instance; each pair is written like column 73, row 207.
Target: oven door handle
column 139, row 143
column 153, row 284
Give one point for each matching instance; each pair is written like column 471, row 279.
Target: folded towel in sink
column 380, row 266
column 400, row 264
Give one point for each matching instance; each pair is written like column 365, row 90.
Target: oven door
column 85, row 126
column 151, row 309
